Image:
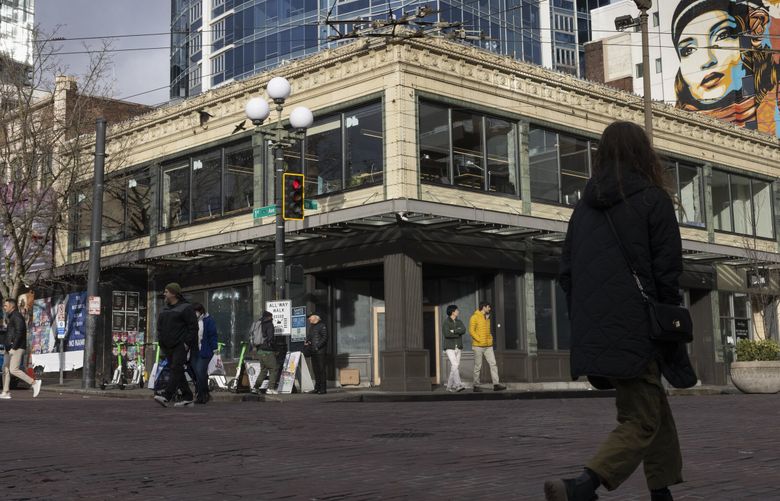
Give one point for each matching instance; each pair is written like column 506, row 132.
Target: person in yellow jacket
column 482, row 345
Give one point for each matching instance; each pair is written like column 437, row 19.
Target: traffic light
column 292, row 197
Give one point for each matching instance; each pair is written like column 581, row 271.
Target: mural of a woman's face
column 710, row 61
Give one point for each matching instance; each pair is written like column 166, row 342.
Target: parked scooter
column 120, row 352
column 137, row 368
column 235, row 384
column 218, row 382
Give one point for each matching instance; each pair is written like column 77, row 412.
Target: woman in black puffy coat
column 610, row 341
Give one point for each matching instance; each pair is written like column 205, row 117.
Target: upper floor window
column 688, row 184
column 195, row 11
column 219, row 30
column 207, row 185
column 467, row 149
column 218, row 64
column 196, row 75
column 195, row 44
column 126, row 209
column 742, row 205
column 560, row 165
column 342, row 151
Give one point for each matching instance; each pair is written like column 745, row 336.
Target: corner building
column 443, row 174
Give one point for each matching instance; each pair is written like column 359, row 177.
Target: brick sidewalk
column 77, row 447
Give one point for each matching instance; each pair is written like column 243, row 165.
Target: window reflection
column 543, row 159
column 721, row 201
column 323, row 157
column 239, row 178
column 483, row 152
column 501, row 153
column 176, row 196
column 434, row 136
column 468, row 165
column 365, row 146
column 207, row 186
column 762, row 208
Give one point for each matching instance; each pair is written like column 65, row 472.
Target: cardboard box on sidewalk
column 349, row 376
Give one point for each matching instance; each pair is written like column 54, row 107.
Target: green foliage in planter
column 760, row 350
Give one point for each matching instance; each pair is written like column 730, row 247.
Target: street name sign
column 266, row 211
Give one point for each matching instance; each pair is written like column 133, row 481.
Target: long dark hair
column 624, row 145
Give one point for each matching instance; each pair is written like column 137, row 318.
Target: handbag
column 668, row 322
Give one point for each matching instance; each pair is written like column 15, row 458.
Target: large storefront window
column 126, row 209
column 552, row 321
column 207, row 185
column 231, row 308
column 467, row 149
column 742, row 205
column 560, row 165
column 342, row 151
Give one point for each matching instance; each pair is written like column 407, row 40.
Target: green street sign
column 310, row 204
column 268, row 210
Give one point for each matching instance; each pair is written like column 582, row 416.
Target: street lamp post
column 257, row 110
column 624, row 22
column 644, row 6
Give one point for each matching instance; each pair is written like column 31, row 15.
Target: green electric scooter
column 118, row 380
column 235, row 384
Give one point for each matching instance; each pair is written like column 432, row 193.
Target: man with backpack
column 263, row 337
column 177, row 333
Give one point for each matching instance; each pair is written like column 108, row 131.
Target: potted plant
column 757, row 369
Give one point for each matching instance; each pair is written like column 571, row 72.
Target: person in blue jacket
column 200, row 357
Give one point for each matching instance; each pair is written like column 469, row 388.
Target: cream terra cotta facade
column 399, row 72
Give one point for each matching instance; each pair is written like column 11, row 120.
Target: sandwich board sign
column 294, row 363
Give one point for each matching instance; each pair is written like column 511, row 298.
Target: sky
column 133, row 73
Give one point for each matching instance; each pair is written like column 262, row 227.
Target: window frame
column 302, row 148
column 590, row 152
column 222, row 150
column 751, row 180
column 513, row 157
column 122, row 177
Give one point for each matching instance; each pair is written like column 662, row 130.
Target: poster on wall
column 117, row 322
column 131, row 304
column 75, row 331
column 39, row 338
column 118, row 301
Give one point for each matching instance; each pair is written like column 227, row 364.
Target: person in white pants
column 15, row 344
column 452, row 330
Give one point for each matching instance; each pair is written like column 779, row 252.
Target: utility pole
column 88, row 373
column 644, row 6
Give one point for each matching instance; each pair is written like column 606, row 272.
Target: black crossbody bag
column 668, row 322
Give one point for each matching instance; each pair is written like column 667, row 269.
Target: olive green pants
column 645, row 434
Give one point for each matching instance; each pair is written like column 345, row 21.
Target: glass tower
column 216, row 41
column 16, row 30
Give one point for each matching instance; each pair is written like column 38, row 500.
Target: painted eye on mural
column 687, row 51
column 725, row 34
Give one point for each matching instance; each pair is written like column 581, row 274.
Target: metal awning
column 379, row 216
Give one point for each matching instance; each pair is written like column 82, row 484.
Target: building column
column 525, row 169
column 405, row 364
column 529, row 317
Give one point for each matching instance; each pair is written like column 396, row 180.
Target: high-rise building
column 217, row 41
column 16, row 30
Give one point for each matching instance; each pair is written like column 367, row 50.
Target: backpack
column 256, row 332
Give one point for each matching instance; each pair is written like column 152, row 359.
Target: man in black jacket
column 177, row 333
column 15, row 344
column 266, row 353
column 317, row 343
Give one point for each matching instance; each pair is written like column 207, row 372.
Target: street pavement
column 69, row 446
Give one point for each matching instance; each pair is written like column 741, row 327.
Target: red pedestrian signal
column 292, row 197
